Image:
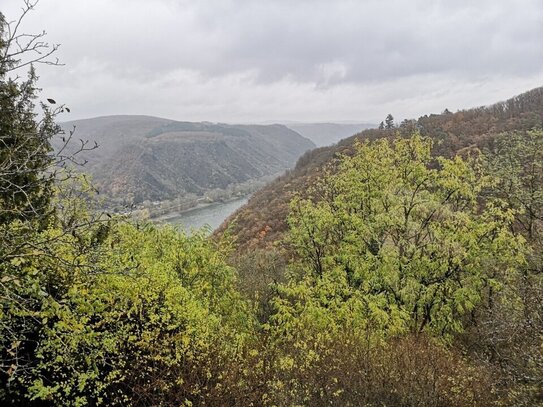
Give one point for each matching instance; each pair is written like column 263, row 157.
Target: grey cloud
column 261, row 60
column 381, row 40
column 376, row 39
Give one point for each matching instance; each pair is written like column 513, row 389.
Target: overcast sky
column 256, row 61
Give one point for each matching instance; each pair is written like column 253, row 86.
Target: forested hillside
column 147, row 158
column 263, row 220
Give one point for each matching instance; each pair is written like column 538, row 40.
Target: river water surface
column 212, row 215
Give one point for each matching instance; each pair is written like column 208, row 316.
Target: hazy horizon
column 264, row 122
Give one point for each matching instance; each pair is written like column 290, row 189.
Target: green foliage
column 144, row 329
column 393, row 247
column 516, row 159
column 38, row 271
column 398, row 241
column 25, row 140
column 508, row 332
column 259, row 273
column 113, row 313
column 26, row 190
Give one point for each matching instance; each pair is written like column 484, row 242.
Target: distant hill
column 326, row 134
column 263, row 220
column 148, row 158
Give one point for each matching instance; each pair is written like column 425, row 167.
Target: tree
column 29, row 191
column 157, row 328
column 516, row 159
column 28, row 164
column 25, row 187
column 509, row 330
column 389, row 122
column 398, row 238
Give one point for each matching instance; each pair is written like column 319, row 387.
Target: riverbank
column 161, row 210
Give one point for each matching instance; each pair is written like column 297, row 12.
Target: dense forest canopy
column 407, row 273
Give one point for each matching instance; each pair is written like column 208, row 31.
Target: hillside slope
column 262, row 221
column 147, row 158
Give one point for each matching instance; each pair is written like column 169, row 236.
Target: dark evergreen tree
column 389, row 122
column 28, row 170
column 25, row 141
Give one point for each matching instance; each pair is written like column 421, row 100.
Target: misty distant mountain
column 325, row 134
column 149, row 158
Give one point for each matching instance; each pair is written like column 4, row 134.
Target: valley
column 266, row 245
column 158, row 165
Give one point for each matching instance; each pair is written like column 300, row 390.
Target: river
column 212, row 215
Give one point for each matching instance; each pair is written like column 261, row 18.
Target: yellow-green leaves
column 402, row 233
column 159, row 308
